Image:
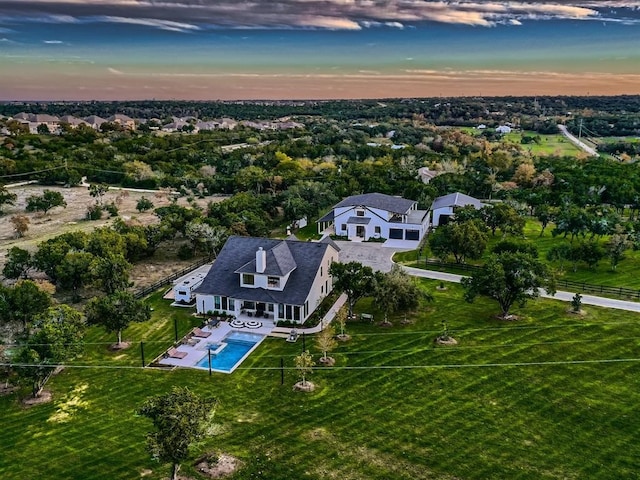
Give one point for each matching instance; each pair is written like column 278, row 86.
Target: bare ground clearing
column 72, row 218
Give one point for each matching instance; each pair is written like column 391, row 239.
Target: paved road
column 562, row 296
column 379, row 258
column 578, row 143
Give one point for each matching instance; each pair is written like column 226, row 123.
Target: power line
column 31, row 173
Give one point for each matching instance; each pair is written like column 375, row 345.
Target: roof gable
column 455, row 200
column 379, row 201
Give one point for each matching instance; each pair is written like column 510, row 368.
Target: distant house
column 123, row 120
column 443, row 208
column 72, row 121
column 265, row 278
column 95, row 122
column 375, row 215
column 503, row 129
column 427, row 175
column 33, row 121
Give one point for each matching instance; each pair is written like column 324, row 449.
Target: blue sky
column 226, row 49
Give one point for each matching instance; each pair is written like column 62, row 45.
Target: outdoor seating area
column 174, row 353
column 238, row 323
column 197, row 332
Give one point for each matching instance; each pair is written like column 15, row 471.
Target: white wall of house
column 378, row 226
column 441, row 211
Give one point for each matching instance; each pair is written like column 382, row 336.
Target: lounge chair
column 200, row 333
column 174, row 353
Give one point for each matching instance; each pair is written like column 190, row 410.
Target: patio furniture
column 174, row 353
column 293, row 336
column 253, row 324
column 237, row 323
column 366, row 317
column 192, row 341
column 200, row 333
column 214, row 323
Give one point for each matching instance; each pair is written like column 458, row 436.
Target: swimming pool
column 229, row 352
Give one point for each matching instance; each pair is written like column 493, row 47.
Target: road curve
column 591, row 151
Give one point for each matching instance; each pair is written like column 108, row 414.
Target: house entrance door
column 360, row 231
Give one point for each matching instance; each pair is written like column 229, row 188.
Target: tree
column 6, row 197
column 396, row 291
column 304, row 366
column 462, row 240
column 509, row 278
column 97, row 191
column 545, row 214
column 75, row 271
column 617, row 245
column 18, row 263
column 116, row 311
column 341, row 320
column 26, row 300
column 576, row 303
column 111, row 273
column 354, row 279
column 57, row 337
column 591, row 253
column 205, row 237
column 181, row 418
column 144, row 204
column 45, row 202
column 560, row 253
column 504, row 217
column 326, row 343
column 20, row 224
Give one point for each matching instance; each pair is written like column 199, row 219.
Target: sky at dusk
column 315, row 49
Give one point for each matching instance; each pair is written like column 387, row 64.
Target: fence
column 143, row 292
column 566, row 284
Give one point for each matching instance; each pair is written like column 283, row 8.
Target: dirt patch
column 61, row 220
column 327, row 361
column 45, row 397
column 115, row 347
column 507, row 318
column 580, row 313
column 217, row 466
column 304, row 387
column 343, row 337
column 446, row 341
column 7, row 389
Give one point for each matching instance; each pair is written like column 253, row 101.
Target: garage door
column 412, row 235
column 395, row 233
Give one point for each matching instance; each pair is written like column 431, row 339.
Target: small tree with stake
column 181, row 418
column 304, row 365
column 326, row 343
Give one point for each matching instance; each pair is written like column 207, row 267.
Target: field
column 551, row 395
column 60, row 220
column 556, row 144
column 625, row 275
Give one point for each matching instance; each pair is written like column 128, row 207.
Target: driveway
column 371, row 254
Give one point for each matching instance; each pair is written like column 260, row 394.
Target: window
column 216, row 302
column 378, row 230
column 249, row 305
column 248, row 279
column 360, row 213
column 273, row 282
column 296, row 313
column 225, row 303
column 280, row 310
column 320, row 270
column 181, row 292
column 343, row 227
column 232, row 304
column 288, row 309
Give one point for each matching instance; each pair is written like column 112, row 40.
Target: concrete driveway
column 371, row 254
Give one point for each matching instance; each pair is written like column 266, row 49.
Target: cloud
column 114, row 71
column 191, row 15
column 53, row 42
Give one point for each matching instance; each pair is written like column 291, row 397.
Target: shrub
column 94, row 212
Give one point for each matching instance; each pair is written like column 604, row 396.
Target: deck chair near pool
column 174, row 353
column 200, row 333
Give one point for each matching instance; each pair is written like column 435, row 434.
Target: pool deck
column 197, row 350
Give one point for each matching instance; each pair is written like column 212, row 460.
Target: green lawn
column 625, row 275
column 555, row 144
column 504, row 403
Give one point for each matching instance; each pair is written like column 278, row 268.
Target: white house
column 184, row 287
column 375, row 215
column 503, row 129
column 273, row 279
column 443, row 207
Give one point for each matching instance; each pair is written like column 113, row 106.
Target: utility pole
column 580, row 130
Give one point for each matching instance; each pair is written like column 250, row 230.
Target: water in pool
column 238, row 344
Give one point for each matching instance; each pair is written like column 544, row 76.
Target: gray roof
column 330, row 241
column 456, row 200
column 280, row 262
column 237, row 252
column 327, row 218
column 359, row 220
column 378, row 200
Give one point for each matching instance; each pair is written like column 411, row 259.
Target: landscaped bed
column 551, row 395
